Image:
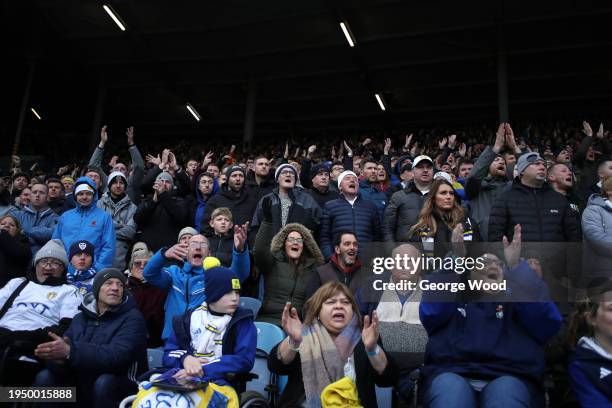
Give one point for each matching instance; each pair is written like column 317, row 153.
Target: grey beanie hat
column 104, row 275
column 52, row 249
column 527, row 159
column 164, row 175
column 187, row 230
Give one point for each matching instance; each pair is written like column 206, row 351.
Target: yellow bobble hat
column 210, row 262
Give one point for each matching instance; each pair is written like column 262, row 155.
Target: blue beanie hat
column 218, row 282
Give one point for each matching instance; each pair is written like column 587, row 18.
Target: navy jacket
column 115, row 342
column 591, row 374
column 486, row 339
column 239, row 346
column 338, row 215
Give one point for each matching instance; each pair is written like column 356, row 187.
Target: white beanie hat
column 116, row 174
column 344, row 174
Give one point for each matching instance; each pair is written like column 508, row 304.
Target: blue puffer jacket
column 377, row 197
column 239, row 346
column 88, row 223
column 38, row 226
column 115, row 342
column 338, row 215
column 490, row 339
column 185, row 284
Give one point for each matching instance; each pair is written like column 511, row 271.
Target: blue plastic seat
column 250, row 303
column 268, row 336
column 384, row 396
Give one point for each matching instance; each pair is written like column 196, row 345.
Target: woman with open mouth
column 288, row 261
column 332, row 356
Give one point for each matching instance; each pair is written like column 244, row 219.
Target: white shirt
column 38, row 306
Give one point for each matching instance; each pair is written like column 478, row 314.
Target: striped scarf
column 207, row 332
column 323, row 358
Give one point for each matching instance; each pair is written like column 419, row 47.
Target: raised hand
column 370, row 333
column 586, row 129
column 408, row 141
column 207, row 159
column 129, row 132
column 366, row 142
column 600, row 131
column 387, row 147
column 178, row 252
column 442, row 143
column 500, row 138
column 286, row 155
column 165, row 158
column 113, row 161
column 156, row 160
column 512, row 251
column 291, row 323
column 311, row 150
column 509, row 138
column 172, row 161
column 349, row 151
column 103, row 137
column 462, row 149
column 240, row 236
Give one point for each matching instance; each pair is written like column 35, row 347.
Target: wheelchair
column 257, row 389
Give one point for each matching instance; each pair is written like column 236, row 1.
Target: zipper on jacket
column 187, row 294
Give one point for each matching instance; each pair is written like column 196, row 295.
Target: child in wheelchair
column 208, row 346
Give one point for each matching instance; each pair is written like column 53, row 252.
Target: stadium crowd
column 99, row 262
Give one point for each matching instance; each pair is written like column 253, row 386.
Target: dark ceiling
column 433, row 62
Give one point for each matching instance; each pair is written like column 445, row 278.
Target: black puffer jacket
column 544, row 215
column 242, row 206
column 160, row 222
column 304, row 210
column 402, row 213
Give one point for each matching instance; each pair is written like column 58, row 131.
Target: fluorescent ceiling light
column 192, row 110
column 114, row 16
column 347, row 33
column 35, row 113
column 380, row 102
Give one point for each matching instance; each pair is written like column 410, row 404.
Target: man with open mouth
column 185, row 282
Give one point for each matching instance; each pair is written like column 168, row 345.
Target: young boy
column 82, row 272
column 215, row 339
column 222, row 242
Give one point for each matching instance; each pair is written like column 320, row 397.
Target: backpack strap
column 11, row 299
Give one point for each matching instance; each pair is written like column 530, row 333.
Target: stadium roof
column 432, row 62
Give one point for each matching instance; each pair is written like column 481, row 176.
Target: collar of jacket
column 317, row 191
column 33, row 211
column 291, row 193
column 350, row 269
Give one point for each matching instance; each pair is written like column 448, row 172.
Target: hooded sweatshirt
column 201, row 200
column 91, row 224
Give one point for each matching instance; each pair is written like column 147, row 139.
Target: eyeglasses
column 196, row 245
column 50, row 262
column 140, row 264
column 292, row 240
column 287, row 173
